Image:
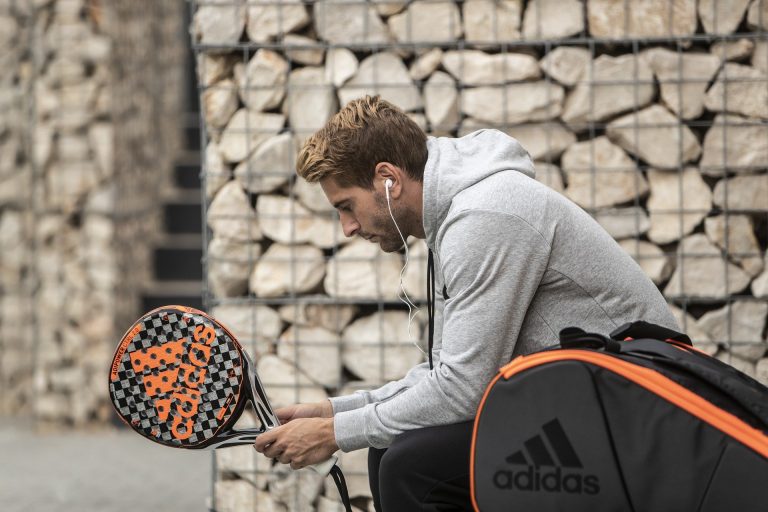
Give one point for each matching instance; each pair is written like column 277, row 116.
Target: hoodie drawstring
column 431, row 302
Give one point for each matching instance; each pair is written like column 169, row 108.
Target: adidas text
column 550, row 481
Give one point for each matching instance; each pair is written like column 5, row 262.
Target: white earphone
column 387, row 186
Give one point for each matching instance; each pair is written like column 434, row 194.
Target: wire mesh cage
column 651, row 116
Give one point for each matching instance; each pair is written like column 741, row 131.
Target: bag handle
column 642, row 329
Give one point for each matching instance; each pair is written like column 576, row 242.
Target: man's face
column 364, row 213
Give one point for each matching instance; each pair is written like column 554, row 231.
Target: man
column 515, row 262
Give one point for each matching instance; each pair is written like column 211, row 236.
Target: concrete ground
column 98, row 471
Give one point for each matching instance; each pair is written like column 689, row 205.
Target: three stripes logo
column 536, row 457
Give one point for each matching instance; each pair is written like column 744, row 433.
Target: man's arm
column 492, row 264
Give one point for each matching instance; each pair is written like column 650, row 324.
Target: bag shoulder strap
column 642, row 329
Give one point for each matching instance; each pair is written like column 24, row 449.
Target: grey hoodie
column 519, row 262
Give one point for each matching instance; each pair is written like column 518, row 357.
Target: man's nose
column 349, row 225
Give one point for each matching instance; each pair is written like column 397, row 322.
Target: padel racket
column 181, row 379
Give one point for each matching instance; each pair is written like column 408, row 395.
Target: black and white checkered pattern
column 221, row 387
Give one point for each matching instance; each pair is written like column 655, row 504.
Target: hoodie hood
column 454, row 165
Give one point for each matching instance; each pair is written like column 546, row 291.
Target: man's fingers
column 266, row 438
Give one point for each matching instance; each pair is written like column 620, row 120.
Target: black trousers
column 423, row 470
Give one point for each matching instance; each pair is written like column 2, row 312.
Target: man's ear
column 386, row 171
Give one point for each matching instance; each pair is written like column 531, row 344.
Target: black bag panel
column 542, row 444
column 670, row 453
column 739, row 483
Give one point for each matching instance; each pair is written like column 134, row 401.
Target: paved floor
column 98, row 471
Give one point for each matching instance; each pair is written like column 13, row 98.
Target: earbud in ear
column 388, row 183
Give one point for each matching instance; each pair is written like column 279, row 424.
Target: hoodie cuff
column 349, row 430
column 347, row 402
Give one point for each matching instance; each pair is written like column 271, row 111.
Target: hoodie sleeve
column 360, row 398
column 492, row 264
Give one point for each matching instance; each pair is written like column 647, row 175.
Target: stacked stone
column 653, row 125
column 75, row 204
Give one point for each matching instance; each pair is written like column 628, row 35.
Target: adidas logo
column 566, row 476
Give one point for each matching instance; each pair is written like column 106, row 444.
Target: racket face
column 177, row 377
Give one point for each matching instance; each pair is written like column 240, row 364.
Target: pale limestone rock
column 239, row 495
column 285, row 385
column 340, row 65
column 735, row 234
column 678, row 203
column 720, row 17
column 549, row 174
column 245, row 131
column 427, row 22
column 219, row 103
column 600, row 166
column 102, row 140
column 739, row 326
column 312, row 196
column 212, row 67
column 739, row 89
column 419, row 119
column 270, row 166
column 287, row 269
column 701, row 271
column 654, row 262
column 387, row 9
column 360, row 270
column 262, row 81
column 491, row 21
column 297, row 489
column 315, row 351
column 543, row 141
column 441, row 103
column 473, row 67
column 269, row 20
column 761, row 371
column 349, row 22
column 219, row 22
column 309, row 52
column 760, row 56
column 649, row 18
column 742, row 365
column 734, row 144
column 384, row 74
column 689, row 326
column 683, row 78
column 229, row 265
column 245, row 463
column 627, row 85
column 217, row 173
column 757, row 16
column 285, row 220
column 378, row 347
column 733, row 50
column 566, row 64
column 67, row 183
column 331, row 317
column 423, row 66
column 656, row 136
column 620, row 223
column 515, row 103
column 230, row 214
column 72, row 148
column 41, row 150
column 329, row 505
column 553, row 19
column 415, row 276
column 310, row 102
column 256, row 327
column 760, row 284
column 743, row 193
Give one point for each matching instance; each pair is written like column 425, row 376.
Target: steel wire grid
column 729, row 321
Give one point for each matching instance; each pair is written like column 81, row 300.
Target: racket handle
column 323, row 468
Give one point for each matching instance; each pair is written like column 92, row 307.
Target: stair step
column 178, row 263
column 182, row 293
column 181, row 216
column 186, row 175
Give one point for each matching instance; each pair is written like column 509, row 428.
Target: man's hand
column 300, row 443
column 314, row 410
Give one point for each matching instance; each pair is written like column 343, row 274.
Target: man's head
column 366, row 143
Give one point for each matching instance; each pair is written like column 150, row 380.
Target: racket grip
column 323, row 468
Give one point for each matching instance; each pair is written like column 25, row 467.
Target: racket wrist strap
column 341, row 485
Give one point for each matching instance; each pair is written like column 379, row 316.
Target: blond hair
column 365, row 132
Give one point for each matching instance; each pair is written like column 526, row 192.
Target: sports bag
column 639, row 421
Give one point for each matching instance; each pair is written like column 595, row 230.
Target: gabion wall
column 89, row 119
column 649, row 115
